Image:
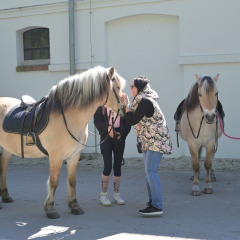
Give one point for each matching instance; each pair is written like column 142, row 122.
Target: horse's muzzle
column 210, row 118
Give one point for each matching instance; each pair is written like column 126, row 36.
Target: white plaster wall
column 148, row 45
column 201, row 37
column 36, row 84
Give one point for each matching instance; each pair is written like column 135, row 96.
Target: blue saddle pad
column 35, row 121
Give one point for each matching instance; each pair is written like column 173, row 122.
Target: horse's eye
column 118, row 88
column 216, row 94
column 200, row 95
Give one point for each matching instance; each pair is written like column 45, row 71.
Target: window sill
column 30, row 68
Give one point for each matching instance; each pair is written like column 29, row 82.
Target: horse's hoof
column 208, row 191
column 195, row 190
column 77, row 211
column 75, row 208
column 195, row 193
column 5, row 196
column 53, row 214
column 7, row 199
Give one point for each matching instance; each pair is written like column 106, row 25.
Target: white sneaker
column 118, row 199
column 104, row 199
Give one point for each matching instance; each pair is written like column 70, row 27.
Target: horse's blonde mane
column 80, row 90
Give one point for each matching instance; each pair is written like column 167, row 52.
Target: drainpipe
column 71, row 37
column 90, row 32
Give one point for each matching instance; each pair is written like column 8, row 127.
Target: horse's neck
column 196, row 112
column 79, row 118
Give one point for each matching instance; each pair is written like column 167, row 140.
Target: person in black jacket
column 149, row 123
column 114, row 143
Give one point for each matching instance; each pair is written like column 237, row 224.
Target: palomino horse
column 198, row 126
column 72, row 103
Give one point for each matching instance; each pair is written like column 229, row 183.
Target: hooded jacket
column 151, row 130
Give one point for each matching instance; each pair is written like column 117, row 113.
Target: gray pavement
column 211, row 217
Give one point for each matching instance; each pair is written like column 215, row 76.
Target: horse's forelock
column 207, row 84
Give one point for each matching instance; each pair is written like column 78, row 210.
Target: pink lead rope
column 223, row 130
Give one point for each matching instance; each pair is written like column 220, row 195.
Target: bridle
column 121, row 108
column 200, row 126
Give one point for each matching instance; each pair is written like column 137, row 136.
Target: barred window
column 36, row 44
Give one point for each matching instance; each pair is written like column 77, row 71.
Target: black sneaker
column 151, row 211
column 149, row 203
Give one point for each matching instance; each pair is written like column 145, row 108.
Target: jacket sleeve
column 99, row 121
column 144, row 108
column 125, row 128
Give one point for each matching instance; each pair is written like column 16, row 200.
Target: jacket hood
column 149, row 92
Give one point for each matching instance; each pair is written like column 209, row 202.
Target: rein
column 65, row 122
column 196, row 137
column 216, row 133
column 221, row 127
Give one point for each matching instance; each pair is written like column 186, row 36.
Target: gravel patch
column 182, row 163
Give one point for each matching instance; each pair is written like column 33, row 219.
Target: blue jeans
column 151, row 161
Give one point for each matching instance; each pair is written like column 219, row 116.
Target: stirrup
column 33, row 137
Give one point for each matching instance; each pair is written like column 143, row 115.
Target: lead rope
column 222, row 129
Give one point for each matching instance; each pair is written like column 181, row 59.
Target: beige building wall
column 167, row 40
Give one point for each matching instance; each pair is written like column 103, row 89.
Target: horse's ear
column 198, row 78
column 216, row 77
column 110, row 72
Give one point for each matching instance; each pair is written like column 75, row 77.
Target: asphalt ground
column 212, row 217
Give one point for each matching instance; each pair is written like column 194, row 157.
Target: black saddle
column 29, row 119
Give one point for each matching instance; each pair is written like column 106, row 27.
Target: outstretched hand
column 125, row 99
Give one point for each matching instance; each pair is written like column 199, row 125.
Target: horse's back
column 6, row 104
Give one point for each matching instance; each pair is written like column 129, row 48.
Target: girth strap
column 33, row 133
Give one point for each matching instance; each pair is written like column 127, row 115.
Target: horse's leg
column 212, row 173
column 6, row 156
column 208, row 167
column 71, row 184
column 199, row 158
column 196, row 166
column 55, row 164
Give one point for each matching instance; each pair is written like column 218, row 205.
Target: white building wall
column 180, row 38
